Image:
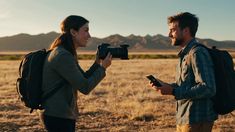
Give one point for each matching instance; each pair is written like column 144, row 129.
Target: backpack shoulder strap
column 53, row 91
column 197, row 45
column 190, row 52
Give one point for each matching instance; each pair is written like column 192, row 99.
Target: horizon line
column 103, row 37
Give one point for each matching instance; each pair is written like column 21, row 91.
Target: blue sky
column 124, row 17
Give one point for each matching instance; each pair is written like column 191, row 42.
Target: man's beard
column 177, row 42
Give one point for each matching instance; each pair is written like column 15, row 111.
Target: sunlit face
column 175, row 34
column 81, row 37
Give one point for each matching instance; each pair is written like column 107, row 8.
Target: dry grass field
column 123, row 101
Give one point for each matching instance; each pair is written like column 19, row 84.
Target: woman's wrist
column 103, row 67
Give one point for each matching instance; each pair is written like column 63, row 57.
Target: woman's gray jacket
column 61, row 68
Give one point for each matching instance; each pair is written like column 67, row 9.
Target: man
column 195, row 81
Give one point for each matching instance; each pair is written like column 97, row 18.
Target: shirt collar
column 187, row 48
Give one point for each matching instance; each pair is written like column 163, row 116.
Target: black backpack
column 224, row 100
column 29, row 83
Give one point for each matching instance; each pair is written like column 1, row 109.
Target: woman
column 61, row 67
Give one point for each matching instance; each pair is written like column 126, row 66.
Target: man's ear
column 73, row 32
column 186, row 30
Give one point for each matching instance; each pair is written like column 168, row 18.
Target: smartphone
column 154, row 80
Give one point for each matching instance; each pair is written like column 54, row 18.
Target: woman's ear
column 73, row 32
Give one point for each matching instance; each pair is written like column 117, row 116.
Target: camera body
column 116, row 52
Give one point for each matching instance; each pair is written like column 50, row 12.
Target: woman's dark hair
column 186, row 19
column 65, row 38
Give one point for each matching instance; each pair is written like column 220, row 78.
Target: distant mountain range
column 26, row 42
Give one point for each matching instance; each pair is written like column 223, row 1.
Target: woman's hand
column 97, row 59
column 107, row 61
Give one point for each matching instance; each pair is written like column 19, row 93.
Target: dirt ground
column 123, row 101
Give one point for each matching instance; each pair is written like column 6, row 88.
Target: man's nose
column 170, row 35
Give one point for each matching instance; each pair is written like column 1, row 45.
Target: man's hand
column 165, row 89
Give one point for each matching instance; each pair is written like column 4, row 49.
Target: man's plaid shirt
column 195, row 85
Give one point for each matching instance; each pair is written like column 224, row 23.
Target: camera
column 116, row 52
